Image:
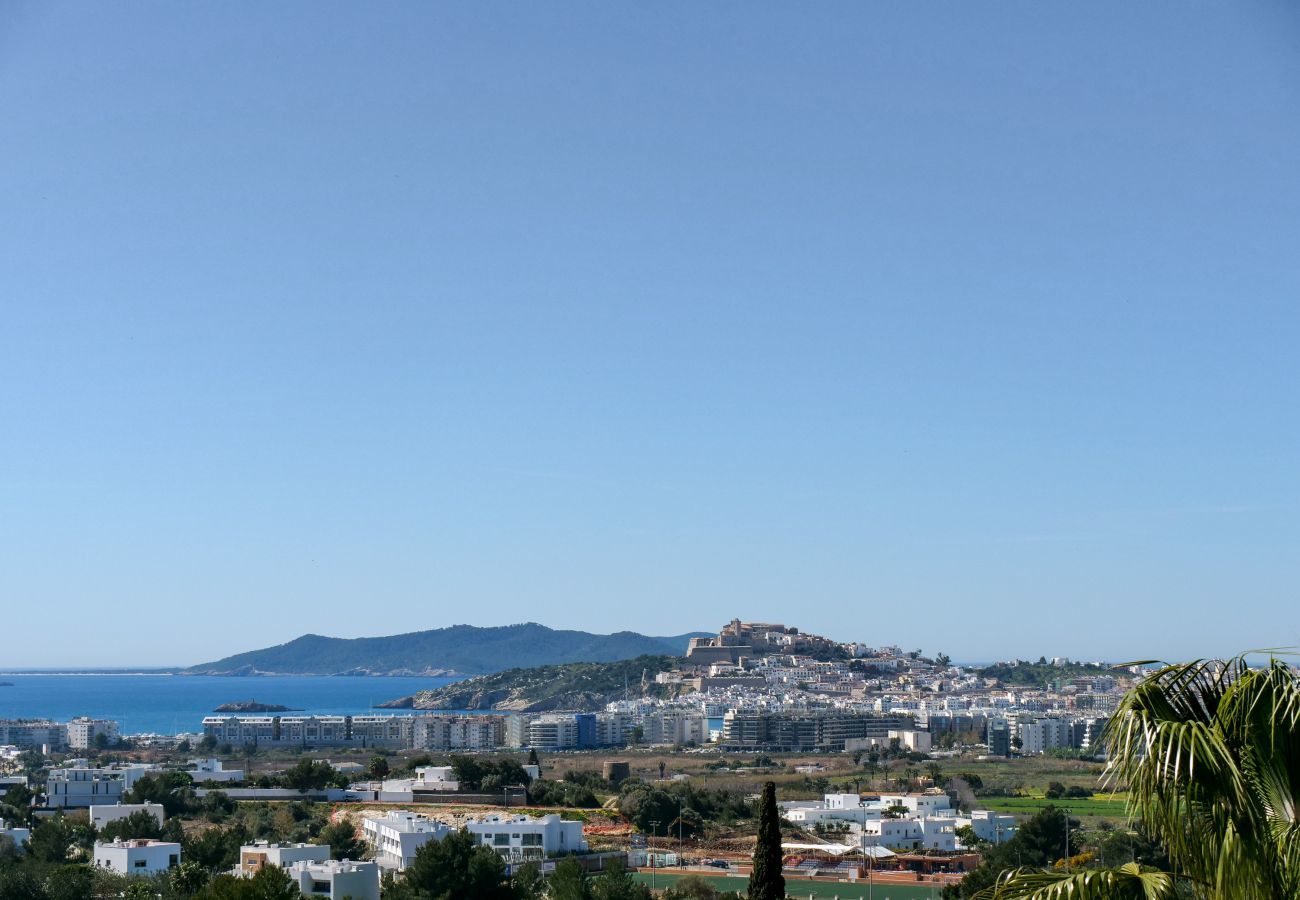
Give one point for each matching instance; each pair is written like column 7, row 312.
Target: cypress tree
column 765, row 880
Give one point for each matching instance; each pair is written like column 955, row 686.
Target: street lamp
column 654, row 828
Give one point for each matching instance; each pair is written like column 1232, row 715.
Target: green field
column 1103, row 806
column 801, row 889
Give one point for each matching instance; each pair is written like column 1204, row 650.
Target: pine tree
column 765, row 880
column 570, row 881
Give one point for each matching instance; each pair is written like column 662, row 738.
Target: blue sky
column 968, row 327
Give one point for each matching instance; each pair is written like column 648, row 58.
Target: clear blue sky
column 968, row 327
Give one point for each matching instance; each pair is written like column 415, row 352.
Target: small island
column 252, row 706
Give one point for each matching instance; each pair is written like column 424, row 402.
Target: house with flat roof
column 337, row 879
column 137, row 857
column 252, row 857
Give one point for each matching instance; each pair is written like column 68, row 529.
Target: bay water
column 173, row 704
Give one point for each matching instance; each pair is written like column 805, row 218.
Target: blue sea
column 172, row 704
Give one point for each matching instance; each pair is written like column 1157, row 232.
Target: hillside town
column 753, row 690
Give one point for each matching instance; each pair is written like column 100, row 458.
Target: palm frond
column 1128, row 882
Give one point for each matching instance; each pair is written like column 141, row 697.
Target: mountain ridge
column 453, row 650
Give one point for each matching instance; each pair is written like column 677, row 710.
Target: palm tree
column 1210, row 753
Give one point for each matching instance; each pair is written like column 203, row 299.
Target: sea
column 175, row 704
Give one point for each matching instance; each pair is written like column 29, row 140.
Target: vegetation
column 693, row 887
column 680, row 808
column 562, row 793
column 765, row 879
column 1040, row 841
column 1210, row 752
column 477, row 774
column 341, row 836
column 1024, row 673
column 457, row 866
column 580, row 686
column 462, row 648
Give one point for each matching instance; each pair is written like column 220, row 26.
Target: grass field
column 818, row 889
column 1102, row 806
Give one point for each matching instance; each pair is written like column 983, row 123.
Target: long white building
column 398, row 835
column 519, row 838
column 79, row 787
column 101, row 814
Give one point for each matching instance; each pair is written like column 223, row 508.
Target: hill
column 1024, row 673
column 460, row 649
column 573, row 686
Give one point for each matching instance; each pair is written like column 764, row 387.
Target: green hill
column 1024, row 673
column 573, row 686
column 462, row 649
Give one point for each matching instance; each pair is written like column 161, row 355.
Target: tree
column 569, row 881
column 532, row 758
column 51, row 840
column 174, row 791
column 308, row 775
column 188, row 878
column 215, row 849
column 1210, row 752
column 454, row 867
column 1039, row 842
column 69, row 883
column 616, row 883
column 270, row 883
column 528, row 882
column 765, row 879
column 342, row 839
column 140, row 824
column 378, row 767
column 20, row 884
column 1055, row 790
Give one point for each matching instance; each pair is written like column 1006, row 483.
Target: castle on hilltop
column 739, row 640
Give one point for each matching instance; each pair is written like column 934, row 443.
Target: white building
column 101, row 815
column 252, row 857
column 398, row 835
column 138, row 857
column 84, row 786
column 675, row 726
column 210, row 770
column 436, row 778
column 521, row 837
column 1039, row 736
column 910, row 739
column 19, row 836
column 337, row 879
column 448, row 732
column 927, row 804
column 83, row 731
column 990, row 826
column 29, row 734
